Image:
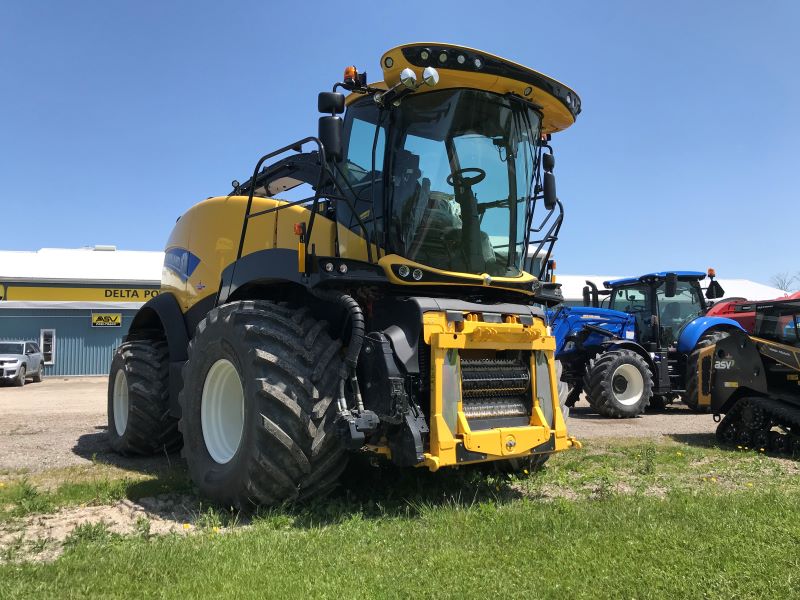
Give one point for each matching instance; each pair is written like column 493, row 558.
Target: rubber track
column 150, row 428
column 779, row 413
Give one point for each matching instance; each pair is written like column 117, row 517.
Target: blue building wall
column 80, row 349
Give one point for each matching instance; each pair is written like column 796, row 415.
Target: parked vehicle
column 389, row 312
column 633, row 352
column 20, row 360
column 752, row 379
column 741, row 310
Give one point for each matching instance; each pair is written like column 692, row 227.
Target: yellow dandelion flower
column 714, row 479
column 749, row 484
column 186, row 526
column 525, row 471
column 679, row 454
column 215, row 529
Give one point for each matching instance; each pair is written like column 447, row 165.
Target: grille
column 493, row 388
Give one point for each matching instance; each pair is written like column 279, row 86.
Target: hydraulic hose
column 356, row 330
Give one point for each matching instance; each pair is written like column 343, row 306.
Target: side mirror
column 330, row 102
column 330, row 134
column 714, row 290
column 548, row 162
column 549, row 191
column 671, row 285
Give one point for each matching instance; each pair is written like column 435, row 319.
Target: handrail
column 295, row 146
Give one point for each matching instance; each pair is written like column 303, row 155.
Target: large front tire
column 690, row 397
column 258, row 405
column 139, row 421
column 619, row 384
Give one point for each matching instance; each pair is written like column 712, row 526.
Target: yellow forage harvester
column 377, row 288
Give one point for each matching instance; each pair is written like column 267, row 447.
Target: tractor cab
column 662, row 303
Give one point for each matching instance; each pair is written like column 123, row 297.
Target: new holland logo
column 181, row 262
column 106, row 319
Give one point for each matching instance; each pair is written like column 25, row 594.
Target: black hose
column 357, row 327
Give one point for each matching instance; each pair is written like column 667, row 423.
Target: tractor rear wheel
column 620, row 384
column 138, row 393
column 690, row 397
column 258, row 405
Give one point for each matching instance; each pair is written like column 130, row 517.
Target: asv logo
column 723, row 365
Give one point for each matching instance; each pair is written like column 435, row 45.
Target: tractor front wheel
column 258, row 405
column 619, row 384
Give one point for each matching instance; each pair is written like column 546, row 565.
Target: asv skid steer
column 754, row 380
column 387, row 312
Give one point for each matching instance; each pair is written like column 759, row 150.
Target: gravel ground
column 62, row 422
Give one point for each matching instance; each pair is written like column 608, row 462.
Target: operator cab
column 447, row 173
column 662, row 303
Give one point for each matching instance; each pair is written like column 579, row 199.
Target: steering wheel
column 458, row 177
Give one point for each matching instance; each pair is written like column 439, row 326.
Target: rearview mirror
column 549, row 191
column 330, row 134
column 330, row 102
column 548, row 162
column 714, row 290
column 670, row 285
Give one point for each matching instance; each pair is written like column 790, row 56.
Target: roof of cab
column 684, row 275
column 463, row 67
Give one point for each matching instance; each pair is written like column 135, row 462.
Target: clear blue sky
column 115, row 117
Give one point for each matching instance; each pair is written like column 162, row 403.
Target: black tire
column 21, row 375
column 288, row 368
column 141, row 368
column 586, row 386
column 689, row 397
column 609, row 383
column 658, row 403
column 39, row 374
column 535, row 462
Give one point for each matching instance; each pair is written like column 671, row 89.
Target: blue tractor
column 633, row 351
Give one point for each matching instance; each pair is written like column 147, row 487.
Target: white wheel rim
column 627, row 385
column 121, row 404
column 222, row 411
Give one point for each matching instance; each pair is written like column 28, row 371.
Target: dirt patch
column 42, row 537
column 677, row 421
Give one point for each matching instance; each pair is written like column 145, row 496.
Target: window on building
column 47, row 339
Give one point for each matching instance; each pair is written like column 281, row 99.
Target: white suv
column 20, row 360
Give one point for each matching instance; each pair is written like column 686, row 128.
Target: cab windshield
column 779, row 322
column 462, row 166
column 685, row 305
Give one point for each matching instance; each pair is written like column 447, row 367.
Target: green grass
column 94, row 485
column 616, row 520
